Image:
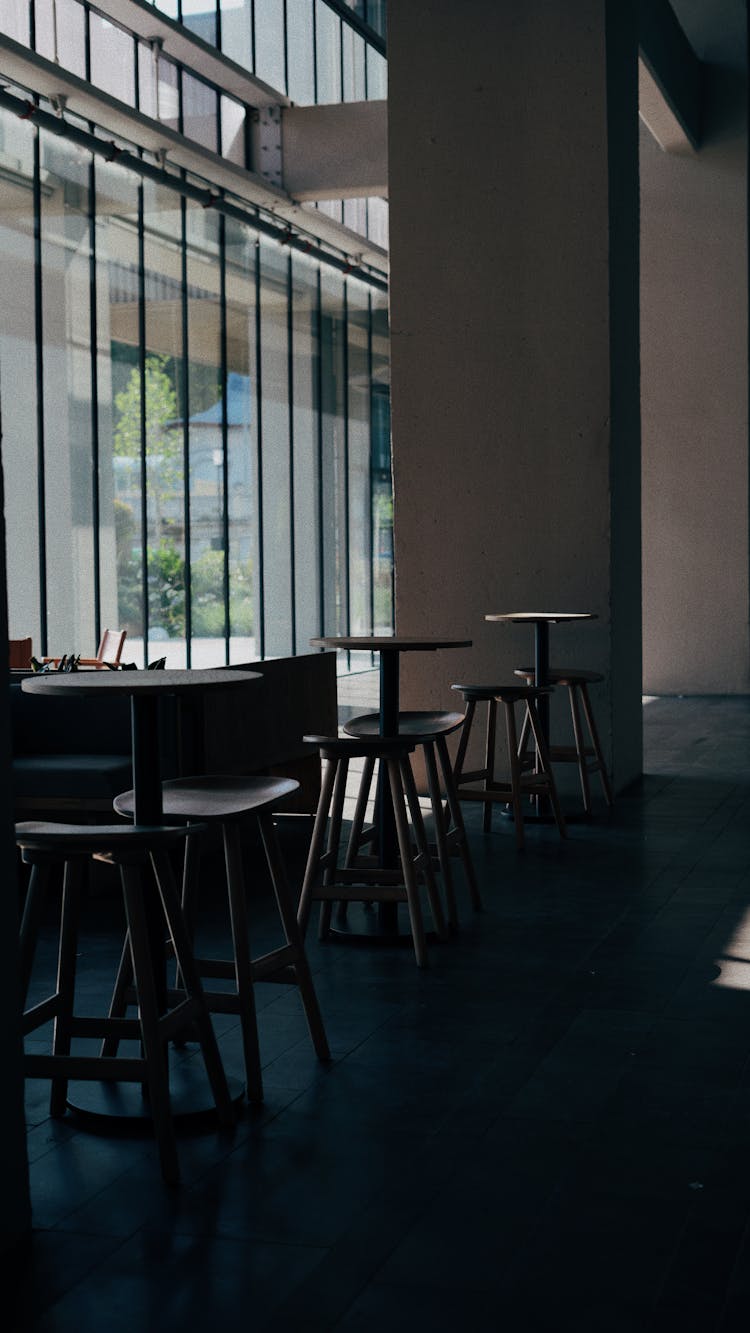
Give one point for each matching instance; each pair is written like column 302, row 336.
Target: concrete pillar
column 694, row 356
column 514, row 309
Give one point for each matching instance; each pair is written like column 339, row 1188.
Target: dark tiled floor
column 549, row 1130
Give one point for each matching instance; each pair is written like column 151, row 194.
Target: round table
column 189, row 1090
column 389, row 647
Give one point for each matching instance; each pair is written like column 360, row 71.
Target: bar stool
column 44, row 845
column 369, row 884
column 429, row 731
column 230, row 802
column 589, row 758
column 522, row 783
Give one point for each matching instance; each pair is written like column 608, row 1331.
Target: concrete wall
column 694, row 366
column 516, row 452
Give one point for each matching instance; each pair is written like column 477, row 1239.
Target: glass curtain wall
column 194, row 421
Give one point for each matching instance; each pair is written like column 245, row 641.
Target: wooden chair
column 20, row 654
column 108, row 653
column 522, row 783
column 230, row 803
column 132, row 849
column 588, row 756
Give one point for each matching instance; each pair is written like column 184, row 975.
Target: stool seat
column 360, row 747
column 121, row 841
column 214, row 796
column 511, row 693
column 563, row 675
column 419, row 725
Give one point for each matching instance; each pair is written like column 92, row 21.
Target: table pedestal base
column 363, row 924
column 103, row 1106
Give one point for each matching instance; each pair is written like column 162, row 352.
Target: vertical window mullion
column 371, row 494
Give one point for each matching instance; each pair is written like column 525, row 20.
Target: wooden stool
column 44, row 845
column 428, row 730
column 589, row 758
column 370, row 884
column 228, row 801
column 522, row 783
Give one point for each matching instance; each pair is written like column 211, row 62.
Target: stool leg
column 594, row 734
column 243, row 970
column 420, row 838
column 438, row 815
column 459, row 827
column 489, row 763
column 463, row 743
column 544, row 760
column 523, row 743
column 316, row 844
column 399, row 782
column 30, row 922
column 118, row 1004
column 184, row 955
column 66, row 978
column 190, row 890
column 292, row 933
column 153, row 1047
column 515, row 772
column 334, row 840
column 360, row 810
column 580, row 749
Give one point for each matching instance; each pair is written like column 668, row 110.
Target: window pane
column 200, row 17
column 112, row 59
column 328, row 43
column 242, row 448
column 275, row 470
column 306, row 478
column 354, row 64
column 382, row 496
column 333, row 462
column 300, row 51
column 120, row 559
column 237, row 31
column 147, row 75
column 269, row 42
column 233, row 131
column 165, row 480
column 205, row 396
column 168, row 95
column 68, row 450
column 358, row 404
column 14, row 20
column 199, row 112
column 63, row 38
column 377, row 76
column 18, row 369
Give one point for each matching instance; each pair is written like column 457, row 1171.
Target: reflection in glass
column 382, row 486
column 242, row 428
column 233, row 131
column 300, row 51
column 333, row 471
column 353, row 51
column 328, row 53
column 200, row 112
column 237, row 31
column 269, row 43
column 275, row 457
column 307, row 536
column 66, row 322
column 17, row 365
column 200, row 17
column 358, row 458
column 112, row 58
column 14, row 20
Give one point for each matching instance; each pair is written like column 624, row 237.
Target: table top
column 539, row 617
column 136, row 682
column 383, row 643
